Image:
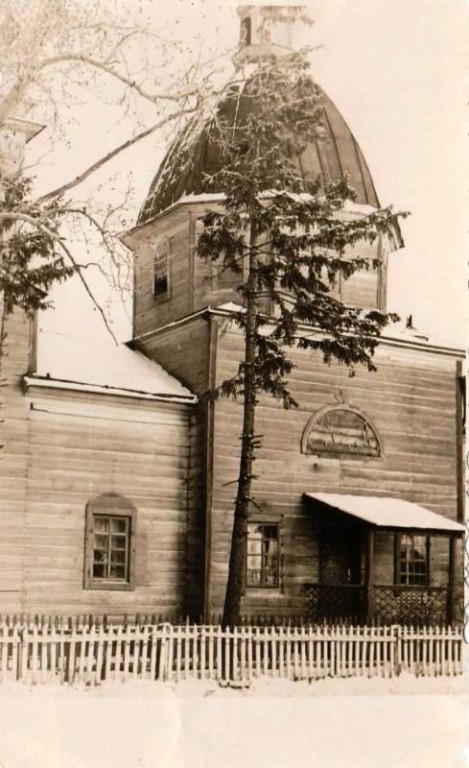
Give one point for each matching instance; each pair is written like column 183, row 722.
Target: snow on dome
column 195, row 156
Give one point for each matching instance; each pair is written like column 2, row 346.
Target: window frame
column 109, row 505
column 342, row 453
column 411, row 572
column 246, row 31
column 163, row 252
column 261, row 585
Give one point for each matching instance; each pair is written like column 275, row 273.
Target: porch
column 384, row 560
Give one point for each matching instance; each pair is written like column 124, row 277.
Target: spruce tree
column 288, row 240
column 33, row 253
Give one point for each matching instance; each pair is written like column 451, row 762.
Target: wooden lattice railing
column 410, row 605
column 90, row 653
column 390, row 604
column 334, row 602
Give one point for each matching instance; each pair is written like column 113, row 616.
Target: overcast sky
column 396, row 69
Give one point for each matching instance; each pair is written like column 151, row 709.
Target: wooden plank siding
column 74, row 458
column 178, row 227
column 183, row 350
column 196, row 513
column 193, row 282
column 196, row 284
column 14, row 437
column 410, row 400
column 361, row 289
column 186, row 350
column 150, row 313
column 178, row 465
column 64, row 448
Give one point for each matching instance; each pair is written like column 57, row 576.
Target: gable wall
column 410, row 400
column 79, row 447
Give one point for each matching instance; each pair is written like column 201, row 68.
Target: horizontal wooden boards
column 150, row 312
column 410, row 401
column 184, row 352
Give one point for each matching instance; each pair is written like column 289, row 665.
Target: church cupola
column 170, row 281
column 273, row 29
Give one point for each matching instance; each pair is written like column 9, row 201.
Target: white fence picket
column 75, row 651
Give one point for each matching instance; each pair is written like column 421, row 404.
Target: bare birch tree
column 56, row 55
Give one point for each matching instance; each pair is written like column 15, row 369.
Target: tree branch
column 113, row 153
column 153, row 98
column 36, row 222
column 87, row 288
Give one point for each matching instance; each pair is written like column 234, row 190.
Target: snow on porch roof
column 384, row 512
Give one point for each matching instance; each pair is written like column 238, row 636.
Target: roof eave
column 433, row 527
column 42, row 382
column 224, row 311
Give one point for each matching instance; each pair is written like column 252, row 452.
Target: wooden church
column 117, row 485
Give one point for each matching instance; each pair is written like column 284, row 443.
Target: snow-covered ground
column 404, row 722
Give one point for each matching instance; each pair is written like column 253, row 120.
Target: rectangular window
column 412, row 560
column 111, row 547
column 110, row 543
column 262, row 555
column 161, row 270
column 246, row 31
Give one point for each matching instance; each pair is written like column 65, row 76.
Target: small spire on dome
column 272, row 29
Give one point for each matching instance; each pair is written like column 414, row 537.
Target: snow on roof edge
column 389, row 512
column 48, row 382
column 398, row 336
column 193, row 198
column 101, row 364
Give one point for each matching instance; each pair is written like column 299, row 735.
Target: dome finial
column 272, row 29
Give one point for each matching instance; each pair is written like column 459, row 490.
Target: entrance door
column 339, row 555
column 339, row 573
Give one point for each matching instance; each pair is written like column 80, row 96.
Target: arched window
column 110, row 543
column 340, row 431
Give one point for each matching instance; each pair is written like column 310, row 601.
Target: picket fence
column 73, row 652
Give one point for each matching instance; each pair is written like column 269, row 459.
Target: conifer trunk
column 238, row 552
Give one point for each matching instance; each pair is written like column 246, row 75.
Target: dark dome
column 193, row 156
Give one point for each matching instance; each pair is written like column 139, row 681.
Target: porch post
column 369, row 575
column 452, row 578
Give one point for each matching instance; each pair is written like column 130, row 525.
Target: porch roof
column 389, row 513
